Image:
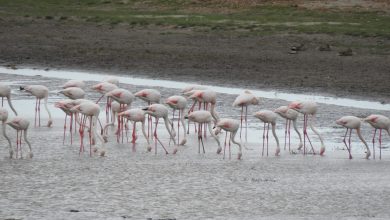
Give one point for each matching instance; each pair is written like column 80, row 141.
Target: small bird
column 160, row 111
column 5, row 92
column 268, row 117
column 179, row 103
column 3, row 119
column 20, row 124
column 308, row 108
column 73, row 92
column 350, row 123
column 40, row 92
column 137, row 115
column 289, row 115
column 230, row 126
column 378, row 122
column 203, row 117
column 74, row 83
column 244, row 100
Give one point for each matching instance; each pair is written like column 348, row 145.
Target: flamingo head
column 296, row 105
column 3, row 115
column 171, row 102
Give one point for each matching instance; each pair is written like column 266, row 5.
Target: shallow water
column 140, row 185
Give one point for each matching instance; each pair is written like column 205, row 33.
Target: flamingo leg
column 157, row 139
column 267, row 137
column 380, row 144
column 373, row 143
column 289, row 135
column 285, row 134
column 39, row 111
column 205, row 107
column 304, row 134
column 349, row 143
column 63, row 139
column 242, row 112
column 178, row 128
column 36, row 111
column 173, row 119
column 224, row 148
column 71, row 129
column 20, row 144
column 246, row 124
column 230, row 150
column 345, row 143
column 17, row 143
column 262, row 152
column 201, row 138
column 308, row 139
column 90, row 136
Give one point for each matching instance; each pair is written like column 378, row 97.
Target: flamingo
column 352, row 122
column 73, row 92
column 3, row 118
column 289, row 115
column 115, row 110
column 160, row 111
column 112, row 80
column 244, row 100
column 150, row 96
column 231, row 126
column 203, row 117
column 40, row 92
column 378, row 122
column 192, row 87
column 65, row 106
column 90, row 111
column 308, row 108
column 20, row 124
column 5, row 91
column 268, row 117
column 137, row 115
column 124, row 98
column 103, row 88
column 74, row 83
column 179, row 103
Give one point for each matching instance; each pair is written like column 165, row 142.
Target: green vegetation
column 206, row 15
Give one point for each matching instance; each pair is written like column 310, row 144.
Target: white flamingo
column 5, row 92
column 179, row 103
column 230, row 126
column 291, row 116
column 40, row 92
column 21, row 125
column 268, row 117
column 3, row 118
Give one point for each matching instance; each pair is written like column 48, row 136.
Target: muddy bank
column 220, row 58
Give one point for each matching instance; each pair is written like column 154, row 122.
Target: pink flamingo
column 179, row 103
column 3, row 118
column 268, row 117
column 112, row 80
column 289, row 115
column 136, row 115
column 230, row 126
column 115, row 110
column 103, row 88
column 65, row 106
column 160, row 111
column 40, row 92
column 124, row 98
column 352, row 122
column 151, row 96
column 192, row 87
column 308, row 108
column 203, row 117
column 21, row 124
column 244, row 100
column 90, row 111
column 73, row 93
column 378, row 122
column 5, row 92
column 74, row 83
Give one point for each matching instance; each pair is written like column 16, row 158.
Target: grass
column 209, row 15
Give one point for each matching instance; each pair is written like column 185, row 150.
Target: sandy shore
column 221, row 58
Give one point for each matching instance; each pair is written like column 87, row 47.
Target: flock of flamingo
column 84, row 115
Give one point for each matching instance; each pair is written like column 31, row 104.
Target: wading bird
column 350, row 123
column 244, row 100
column 203, row 117
column 308, row 108
column 5, row 92
column 3, row 118
column 103, row 88
column 40, row 92
column 230, row 126
column 150, row 96
column 291, row 116
column 136, row 115
column 268, row 117
column 73, row 92
column 179, row 103
column 160, row 111
column 21, row 124
column 378, row 122
column 74, row 83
